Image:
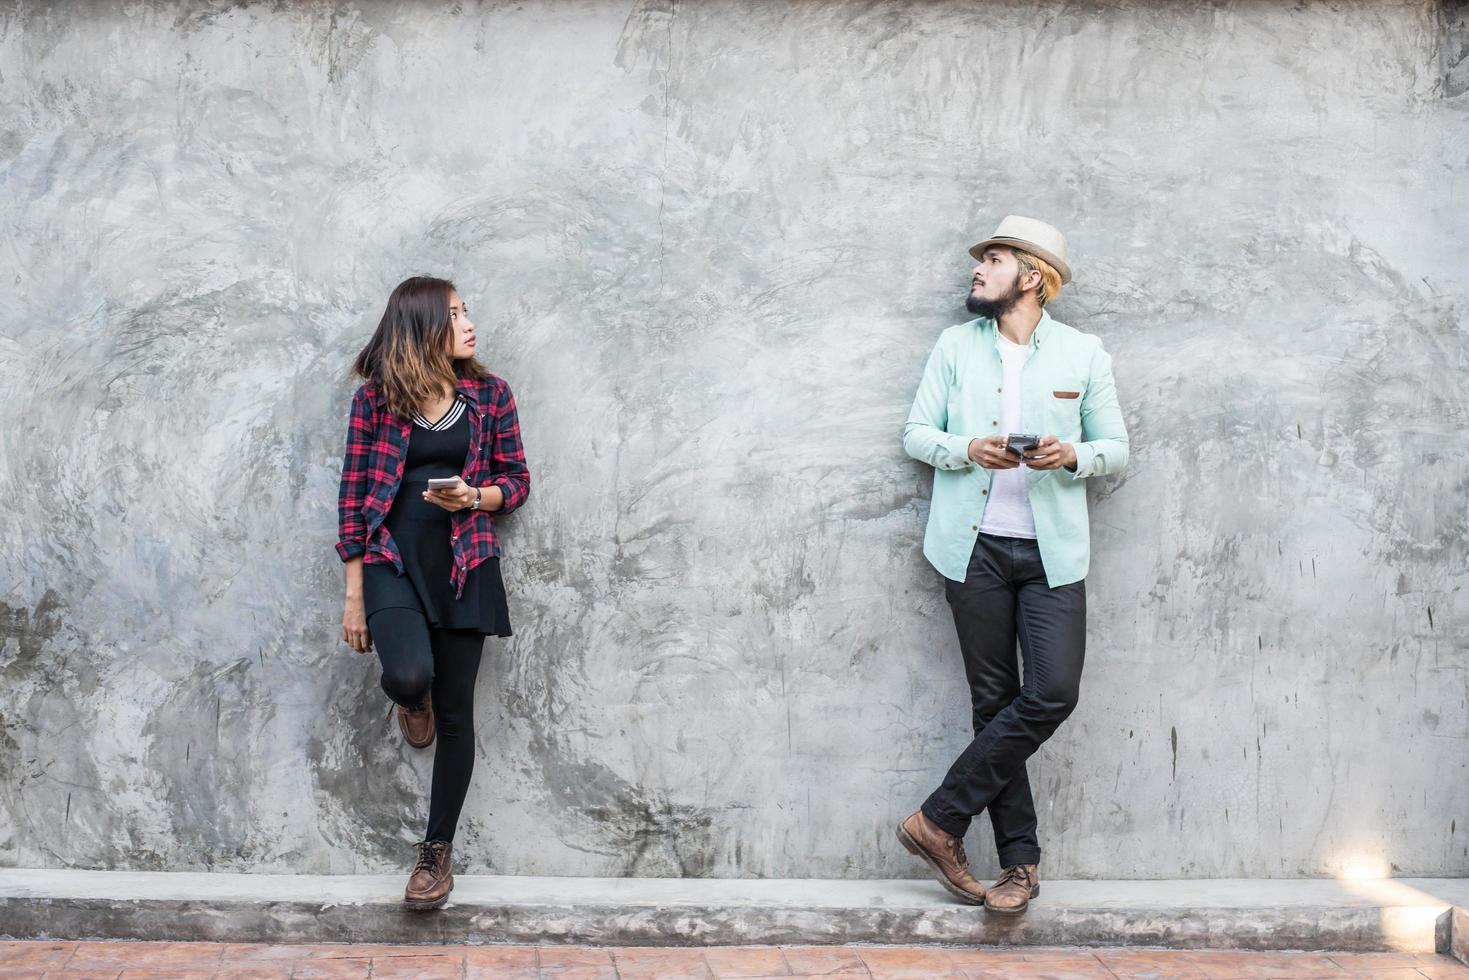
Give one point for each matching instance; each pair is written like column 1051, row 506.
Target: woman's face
column 461, row 329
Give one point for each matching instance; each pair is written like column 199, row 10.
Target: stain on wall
column 710, row 245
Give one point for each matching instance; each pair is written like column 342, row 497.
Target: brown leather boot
column 417, row 726
column 1017, row 885
column 433, row 876
column 944, row 853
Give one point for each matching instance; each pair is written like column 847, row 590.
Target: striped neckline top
column 454, row 414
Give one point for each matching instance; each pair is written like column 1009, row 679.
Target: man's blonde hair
column 1050, row 278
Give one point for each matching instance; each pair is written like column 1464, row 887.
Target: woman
column 423, row 567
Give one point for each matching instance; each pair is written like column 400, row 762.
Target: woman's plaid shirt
column 372, row 470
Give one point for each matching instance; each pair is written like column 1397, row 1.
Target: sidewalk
column 188, row 960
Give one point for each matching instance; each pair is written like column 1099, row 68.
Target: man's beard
column 993, row 309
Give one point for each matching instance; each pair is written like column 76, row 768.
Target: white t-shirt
column 1008, row 511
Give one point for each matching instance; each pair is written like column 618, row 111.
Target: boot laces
column 1017, row 873
column 428, row 856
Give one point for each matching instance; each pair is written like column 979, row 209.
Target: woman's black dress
column 421, row 531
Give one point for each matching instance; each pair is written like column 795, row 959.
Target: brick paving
column 113, row 960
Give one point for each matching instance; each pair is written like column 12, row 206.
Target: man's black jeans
column 1003, row 597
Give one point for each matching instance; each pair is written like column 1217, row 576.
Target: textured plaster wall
column 710, row 245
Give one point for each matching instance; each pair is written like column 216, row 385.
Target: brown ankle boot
column 433, row 876
column 944, row 853
column 1012, row 893
column 417, row 726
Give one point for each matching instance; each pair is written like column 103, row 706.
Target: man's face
column 996, row 285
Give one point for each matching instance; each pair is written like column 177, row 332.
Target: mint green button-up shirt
column 959, row 400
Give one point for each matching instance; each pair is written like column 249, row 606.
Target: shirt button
column 1000, row 390
column 984, row 491
column 995, row 422
column 974, row 527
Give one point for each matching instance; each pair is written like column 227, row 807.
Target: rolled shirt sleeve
column 352, row 490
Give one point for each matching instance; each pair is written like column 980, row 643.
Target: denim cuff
column 1019, row 855
column 957, row 826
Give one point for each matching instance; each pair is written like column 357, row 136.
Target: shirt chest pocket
column 1063, row 397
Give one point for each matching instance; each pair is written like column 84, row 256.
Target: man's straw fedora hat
column 1035, row 237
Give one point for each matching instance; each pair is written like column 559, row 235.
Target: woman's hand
column 354, row 625
column 457, row 497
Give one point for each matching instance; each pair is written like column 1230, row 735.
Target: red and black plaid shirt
column 372, row 471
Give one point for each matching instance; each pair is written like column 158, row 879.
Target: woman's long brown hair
column 407, row 359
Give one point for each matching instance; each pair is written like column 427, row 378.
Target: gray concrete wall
column 709, row 245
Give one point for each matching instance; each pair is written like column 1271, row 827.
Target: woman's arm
column 354, row 612
column 352, row 491
column 351, row 525
column 509, row 477
column 510, row 484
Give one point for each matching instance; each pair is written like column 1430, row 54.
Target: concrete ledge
column 1405, row 914
column 1456, row 943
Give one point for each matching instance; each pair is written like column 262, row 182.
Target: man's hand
column 991, row 453
column 1051, row 454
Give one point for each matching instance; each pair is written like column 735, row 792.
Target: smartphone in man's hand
column 1021, row 444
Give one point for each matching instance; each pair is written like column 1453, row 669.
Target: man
column 1010, row 538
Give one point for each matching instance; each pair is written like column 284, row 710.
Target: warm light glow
column 1354, row 867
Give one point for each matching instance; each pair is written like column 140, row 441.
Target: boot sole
column 429, row 906
column 1034, row 893
column 913, row 847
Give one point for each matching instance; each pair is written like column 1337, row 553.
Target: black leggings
column 419, row 661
